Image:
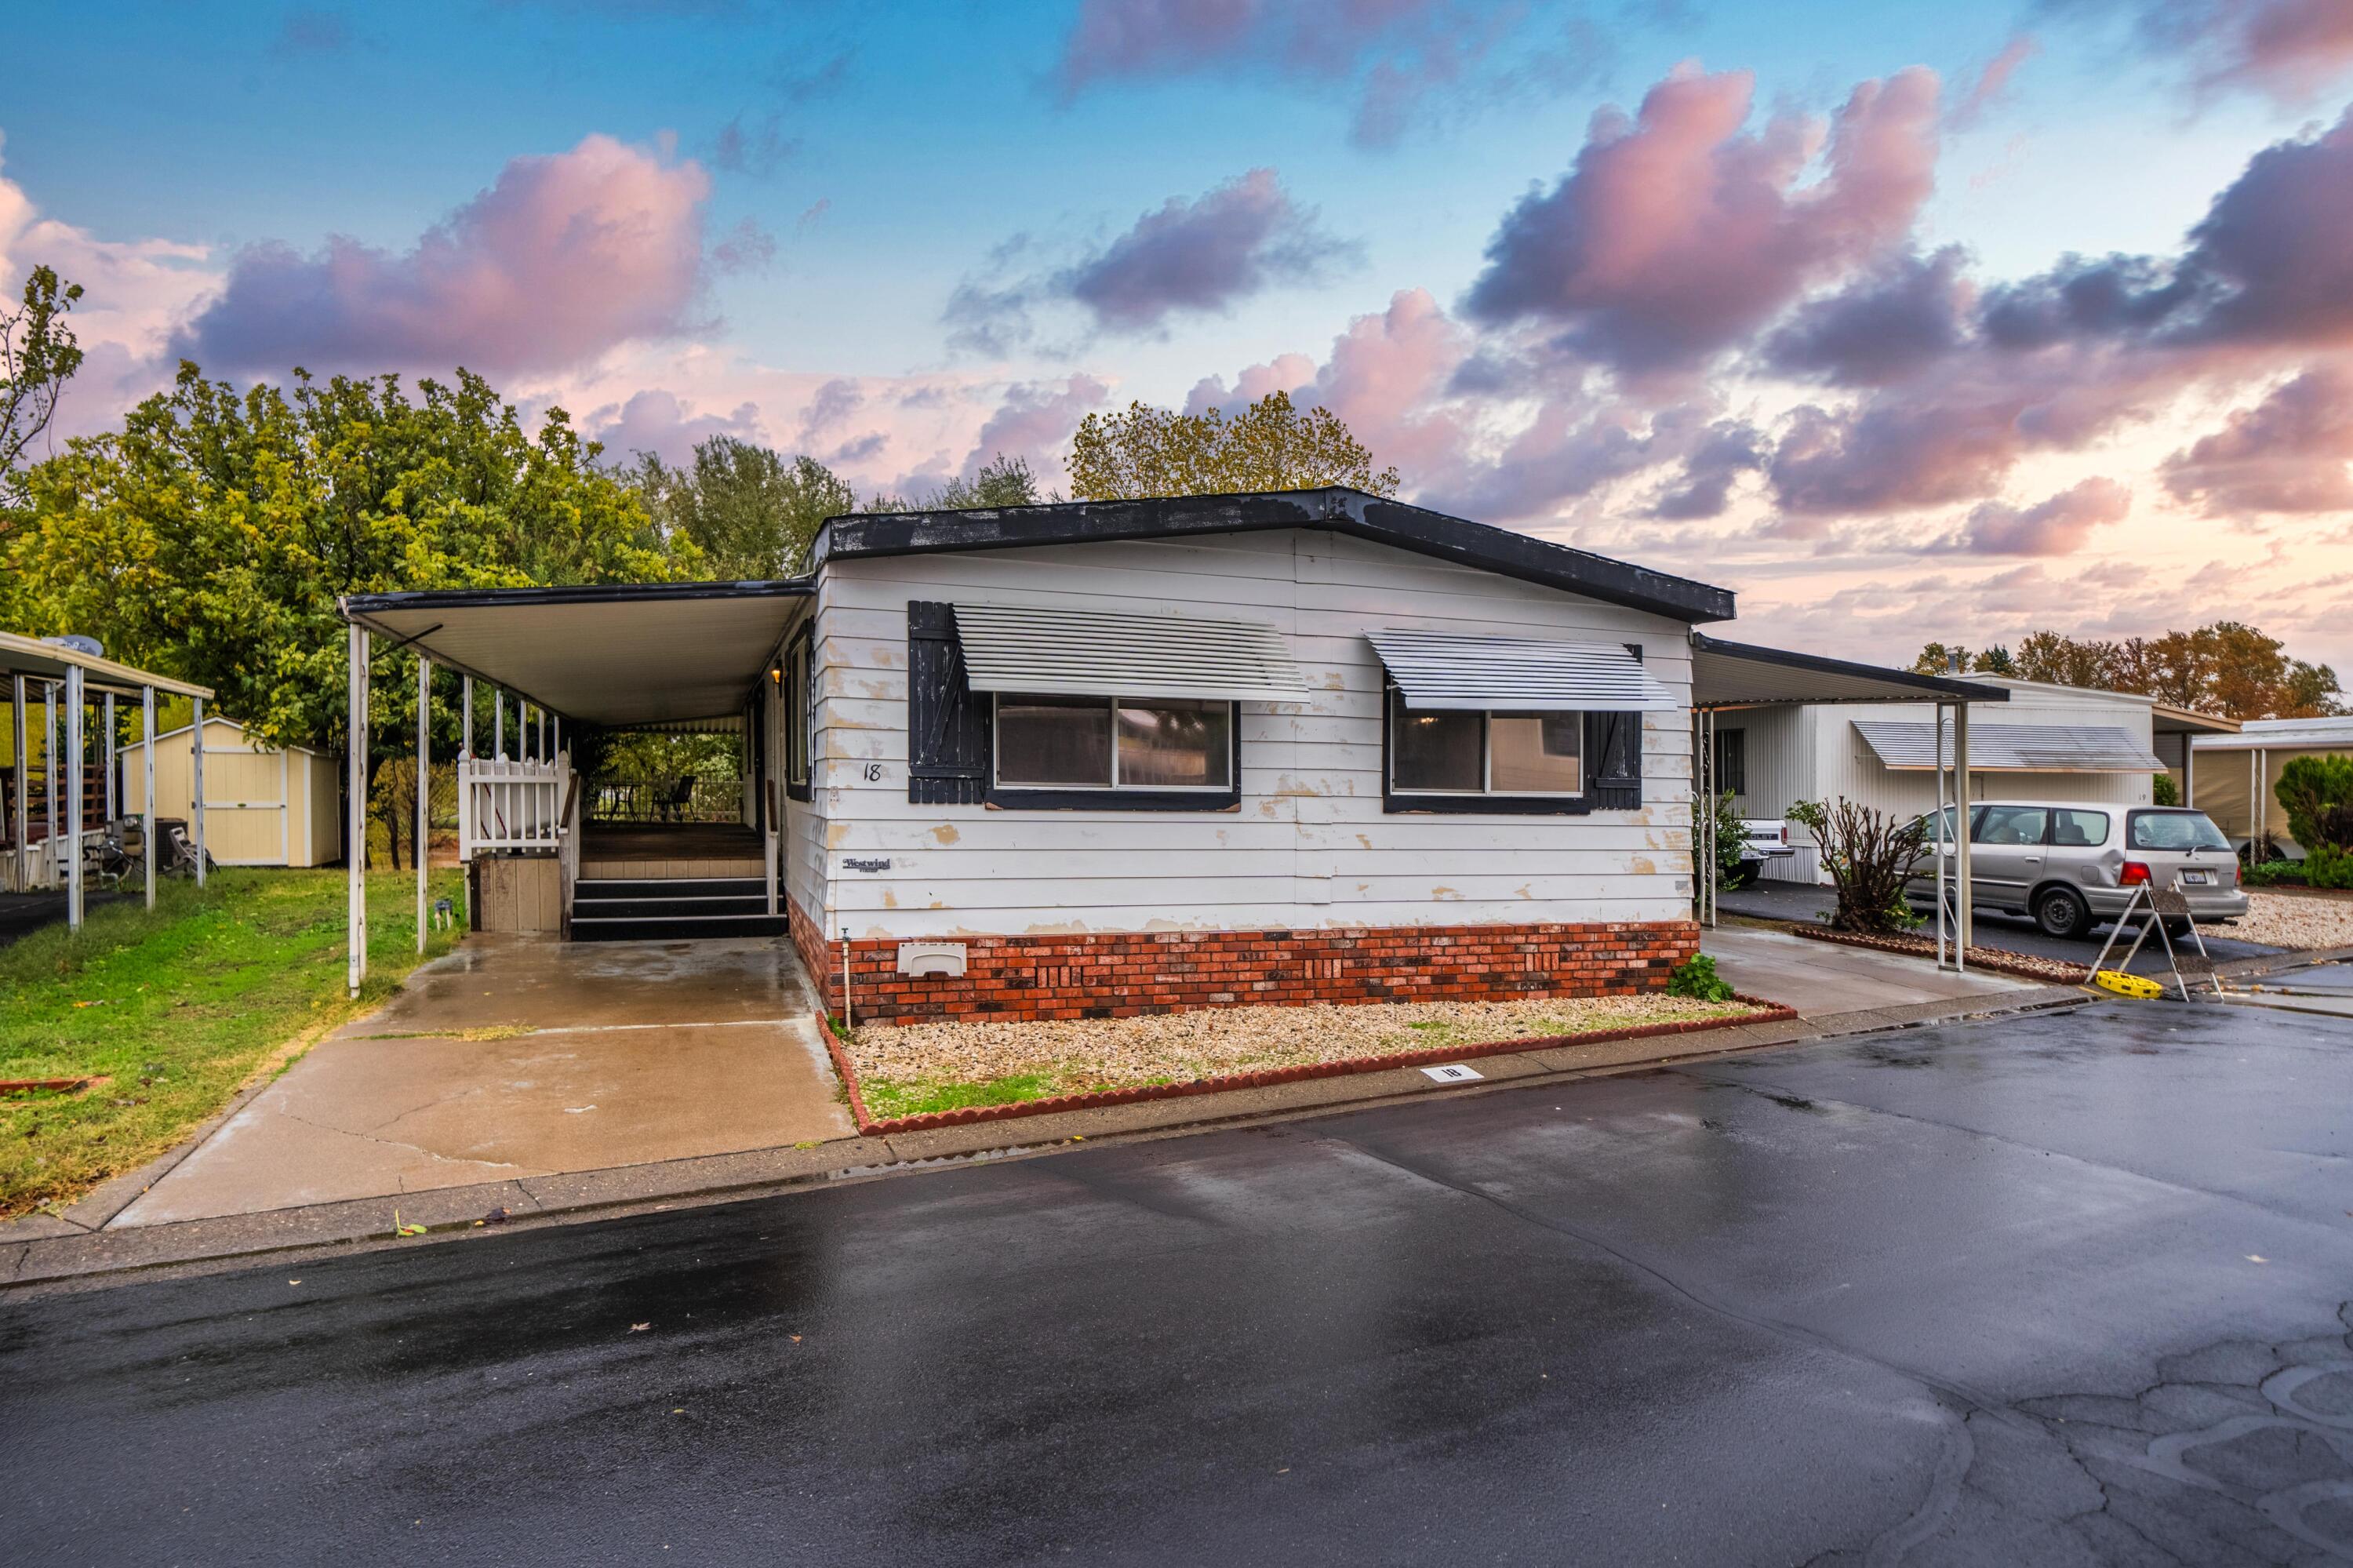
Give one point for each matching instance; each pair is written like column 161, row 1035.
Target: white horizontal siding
column 1309, row 845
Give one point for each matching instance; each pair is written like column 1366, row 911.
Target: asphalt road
column 2067, row 1288
column 1793, row 901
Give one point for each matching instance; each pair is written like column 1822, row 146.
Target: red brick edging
column 1773, row 1012
column 2001, row 960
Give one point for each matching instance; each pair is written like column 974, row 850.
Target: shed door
column 245, row 805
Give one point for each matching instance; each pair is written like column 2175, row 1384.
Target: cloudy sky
column 1907, row 321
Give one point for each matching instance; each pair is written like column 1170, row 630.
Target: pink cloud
column 1035, row 420
column 2289, row 49
column 2289, row 453
column 2057, row 526
column 563, row 258
column 1678, row 234
column 662, row 423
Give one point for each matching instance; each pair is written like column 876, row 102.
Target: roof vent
column 80, row 644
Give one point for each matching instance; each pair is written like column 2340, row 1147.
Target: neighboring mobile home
column 264, row 805
column 2047, row 743
column 2234, row 778
column 1125, row 756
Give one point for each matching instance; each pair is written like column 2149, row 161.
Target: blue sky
column 836, row 173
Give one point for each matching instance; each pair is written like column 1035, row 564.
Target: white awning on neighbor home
column 2012, row 749
column 1444, row 669
column 1743, row 675
column 1087, row 653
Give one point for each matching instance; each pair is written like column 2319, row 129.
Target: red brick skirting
column 1127, row 974
column 869, row 1125
column 2001, row 960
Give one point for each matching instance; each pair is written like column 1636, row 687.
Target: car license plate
column 2193, row 878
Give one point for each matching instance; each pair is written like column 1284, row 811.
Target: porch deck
column 655, row 851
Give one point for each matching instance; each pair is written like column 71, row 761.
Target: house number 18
column 874, row 773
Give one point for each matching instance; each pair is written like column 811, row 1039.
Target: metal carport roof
column 617, row 655
column 39, row 661
column 1742, row 675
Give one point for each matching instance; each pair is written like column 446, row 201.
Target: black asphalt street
column 2066, row 1288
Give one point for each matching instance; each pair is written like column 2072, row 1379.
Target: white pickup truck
column 1768, row 840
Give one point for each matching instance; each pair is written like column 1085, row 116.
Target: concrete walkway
column 522, row 1057
column 1822, row 979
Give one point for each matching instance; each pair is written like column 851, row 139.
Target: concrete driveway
column 517, row 1057
column 1822, row 979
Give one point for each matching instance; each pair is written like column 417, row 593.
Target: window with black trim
column 1444, row 753
column 1731, row 756
column 1126, row 749
column 797, row 708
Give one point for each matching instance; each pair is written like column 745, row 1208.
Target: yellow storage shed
column 263, row 805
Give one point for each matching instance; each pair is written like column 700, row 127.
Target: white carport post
column 197, row 786
column 1938, row 840
column 73, row 797
column 17, row 691
column 112, row 803
column 1966, row 905
column 499, row 724
column 466, row 720
column 147, row 796
column 49, row 774
column 424, row 768
column 356, row 743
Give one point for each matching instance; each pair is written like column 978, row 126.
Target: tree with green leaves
column 210, row 536
column 1270, row 445
column 38, row 357
column 1001, row 481
column 2228, row 668
column 750, row 512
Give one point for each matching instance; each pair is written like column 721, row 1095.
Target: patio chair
column 678, row 798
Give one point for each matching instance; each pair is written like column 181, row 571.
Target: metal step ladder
column 2156, row 906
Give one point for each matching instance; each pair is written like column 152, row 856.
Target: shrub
column 2327, row 866
column 2274, row 873
column 2317, row 794
column 1696, row 977
column 2163, row 790
column 1731, row 834
column 1868, row 854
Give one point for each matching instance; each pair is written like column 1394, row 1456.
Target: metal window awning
column 1089, row 653
column 2012, row 749
column 1446, row 670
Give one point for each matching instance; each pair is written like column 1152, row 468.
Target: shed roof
column 210, row 720
column 41, row 661
column 1742, row 675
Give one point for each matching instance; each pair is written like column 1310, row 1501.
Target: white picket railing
column 515, row 804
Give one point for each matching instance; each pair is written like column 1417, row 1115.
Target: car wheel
column 1744, row 877
column 2062, row 913
column 2177, row 925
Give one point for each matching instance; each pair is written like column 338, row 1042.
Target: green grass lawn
column 178, row 1008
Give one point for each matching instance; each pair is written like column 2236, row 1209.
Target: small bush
column 2163, row 790
column 1868, row 854
column 2317, row 794
column 2274, row 873
column 1696, row 977
column 2325, row 865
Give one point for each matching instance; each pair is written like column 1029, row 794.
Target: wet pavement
column 1794, row 901
column 2065, row 1287
column 518, row 1057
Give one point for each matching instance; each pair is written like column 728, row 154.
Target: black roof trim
column 1942, row 685
column 358, row 604
column 1337, row 509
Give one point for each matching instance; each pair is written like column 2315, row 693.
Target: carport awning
column 1088, row 652
column 1447, row 670
column 2012, row 749
column 621, row 655
column 1744, row 674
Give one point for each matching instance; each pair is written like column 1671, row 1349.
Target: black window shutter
column 947, row 722
column 1613, row 757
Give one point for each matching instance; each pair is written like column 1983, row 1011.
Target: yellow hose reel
column 2123, row 984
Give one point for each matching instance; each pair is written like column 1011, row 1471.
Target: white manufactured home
column 2045, row 743
column 1112, row 758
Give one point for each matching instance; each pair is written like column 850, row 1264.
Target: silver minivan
column 2072, row 863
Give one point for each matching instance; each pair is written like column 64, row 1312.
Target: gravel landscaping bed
column 2294, row 920
column 919, row 1067
column 2001, row 960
